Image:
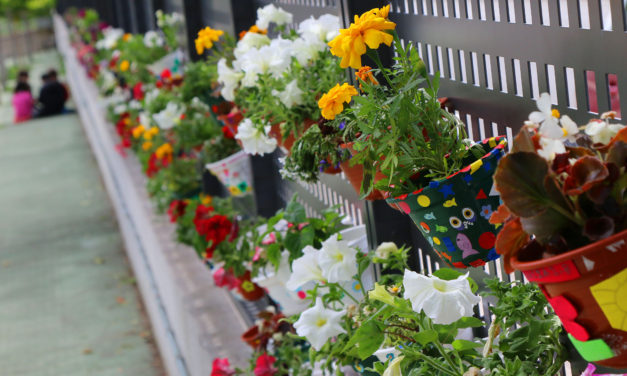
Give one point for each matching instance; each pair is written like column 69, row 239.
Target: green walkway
column 68, row 301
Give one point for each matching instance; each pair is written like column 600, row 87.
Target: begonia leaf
column 599, row 228
column 584, row 174
column 617, row 154
column 510, row 239
column 523, row 142
column 519, row 179
column 544, row 224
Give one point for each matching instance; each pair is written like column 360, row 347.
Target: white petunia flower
column 443, row 301
column 305, row 269
column 120, row 108
column 151, row 96
column 144, row 119
column 254, row 138
column 271, row 14
column 134, row 105
column 153, row 39
column 323, row 29
column 318, row 324
column 229, row 78
column 394, row 368
column 110, row 38
column 306, row 49
column 337, row 260
column 270, row 274
column 601, row 131
column 291, row 96
column 109, row 82
column 250, row 41
column 169, row 116
column 274, row 59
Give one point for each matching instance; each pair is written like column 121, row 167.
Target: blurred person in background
column 22, row 102
column 52, row 96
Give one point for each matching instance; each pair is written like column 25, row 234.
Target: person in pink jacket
column 22, row 102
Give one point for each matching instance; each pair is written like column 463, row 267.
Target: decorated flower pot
column 235, row 173
column 587, row 288
column 453, row 213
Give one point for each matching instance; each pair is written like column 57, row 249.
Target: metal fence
column 494, row 57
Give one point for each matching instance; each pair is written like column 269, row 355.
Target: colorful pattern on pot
column 453, row 213
column 235, row 173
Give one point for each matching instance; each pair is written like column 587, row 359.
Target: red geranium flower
column 166, row 74
column 138, row 92
column 176, row 209
column 221, row 367
column 264, row 365
column 217, row 229
column 228, row 133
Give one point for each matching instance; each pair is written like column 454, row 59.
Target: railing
column 494, row 57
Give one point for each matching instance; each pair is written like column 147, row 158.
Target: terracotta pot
column 355, row 175
column 587, row 288
column 453, row 213
column 248, row 289
column 288, row 142
column 251, row 337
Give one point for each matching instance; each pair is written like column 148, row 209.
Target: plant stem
column 400, row 335
column 375, row 57
column 347, row 293
column 442, row 350
column 434, row 363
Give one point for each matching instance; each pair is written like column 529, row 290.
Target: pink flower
column 302, row 225
column 264, row 365
column 222, row 278
column 269, row 239
column 221, row 367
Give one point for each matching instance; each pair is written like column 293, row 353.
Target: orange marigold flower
column 138, row 131
column 365, row 74
column 332, row 103
column 147, row 145
column 150, row 133
column 126, row 37
column 253, row 29
column 205, row 39
column 164, row 152
column 369, row 29
column 125, row 65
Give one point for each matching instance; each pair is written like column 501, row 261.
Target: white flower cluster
column 256, row 54
column 254, row 137
column 152, row 39
column 555, row 130
column 335, row 262
column 172, row 19
column 169, row 116
column 110, row 37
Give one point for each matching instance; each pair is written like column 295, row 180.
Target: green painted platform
column 68, row 302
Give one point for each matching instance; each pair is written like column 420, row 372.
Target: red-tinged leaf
column 599, row 228
column 500, row 215
column 620, row 136
column 519, row 179
column 579, row 151
column 510, row 239
column 584, row 174
column 545, row 224
column 561, row 163
column 617, row 154
column 524, row 141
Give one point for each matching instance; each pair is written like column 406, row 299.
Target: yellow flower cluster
column 164, row 151
column 150, row 133
column 125, row 65
column 147, row 145
column 332, row 103
column 138, row 131
column 205, row 199
column 205, row 39
column 369, row 29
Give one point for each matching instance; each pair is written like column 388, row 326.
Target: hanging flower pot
column 287, row 142
column 235, row 173
column 453, row 213
column 587, row 288
column 355, row 175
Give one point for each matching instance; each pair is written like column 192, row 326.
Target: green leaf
column 447, row 274
column 366, row 340
column 469, row 322
column 462, row 344
column 426, row 336
column 274, row 254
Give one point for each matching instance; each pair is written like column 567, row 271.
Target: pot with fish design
column 453, row 213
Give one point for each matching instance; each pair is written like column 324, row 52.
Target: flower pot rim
column 545, row 262
column 231, row 158
column 501, row 143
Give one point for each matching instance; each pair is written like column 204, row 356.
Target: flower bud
column 384, row 250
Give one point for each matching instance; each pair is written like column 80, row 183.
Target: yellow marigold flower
column 332, row 103
column 126, row 121
column 150, row 133
column 147, row 145
column 205, row 39
column 367, row 30
column 253, row 29
column 124, row 65
column 138, row 131
column 164, row 151
column 205, row 199
column 365, row 74
column 126, row 37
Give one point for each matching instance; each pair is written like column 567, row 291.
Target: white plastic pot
column 235, row 173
